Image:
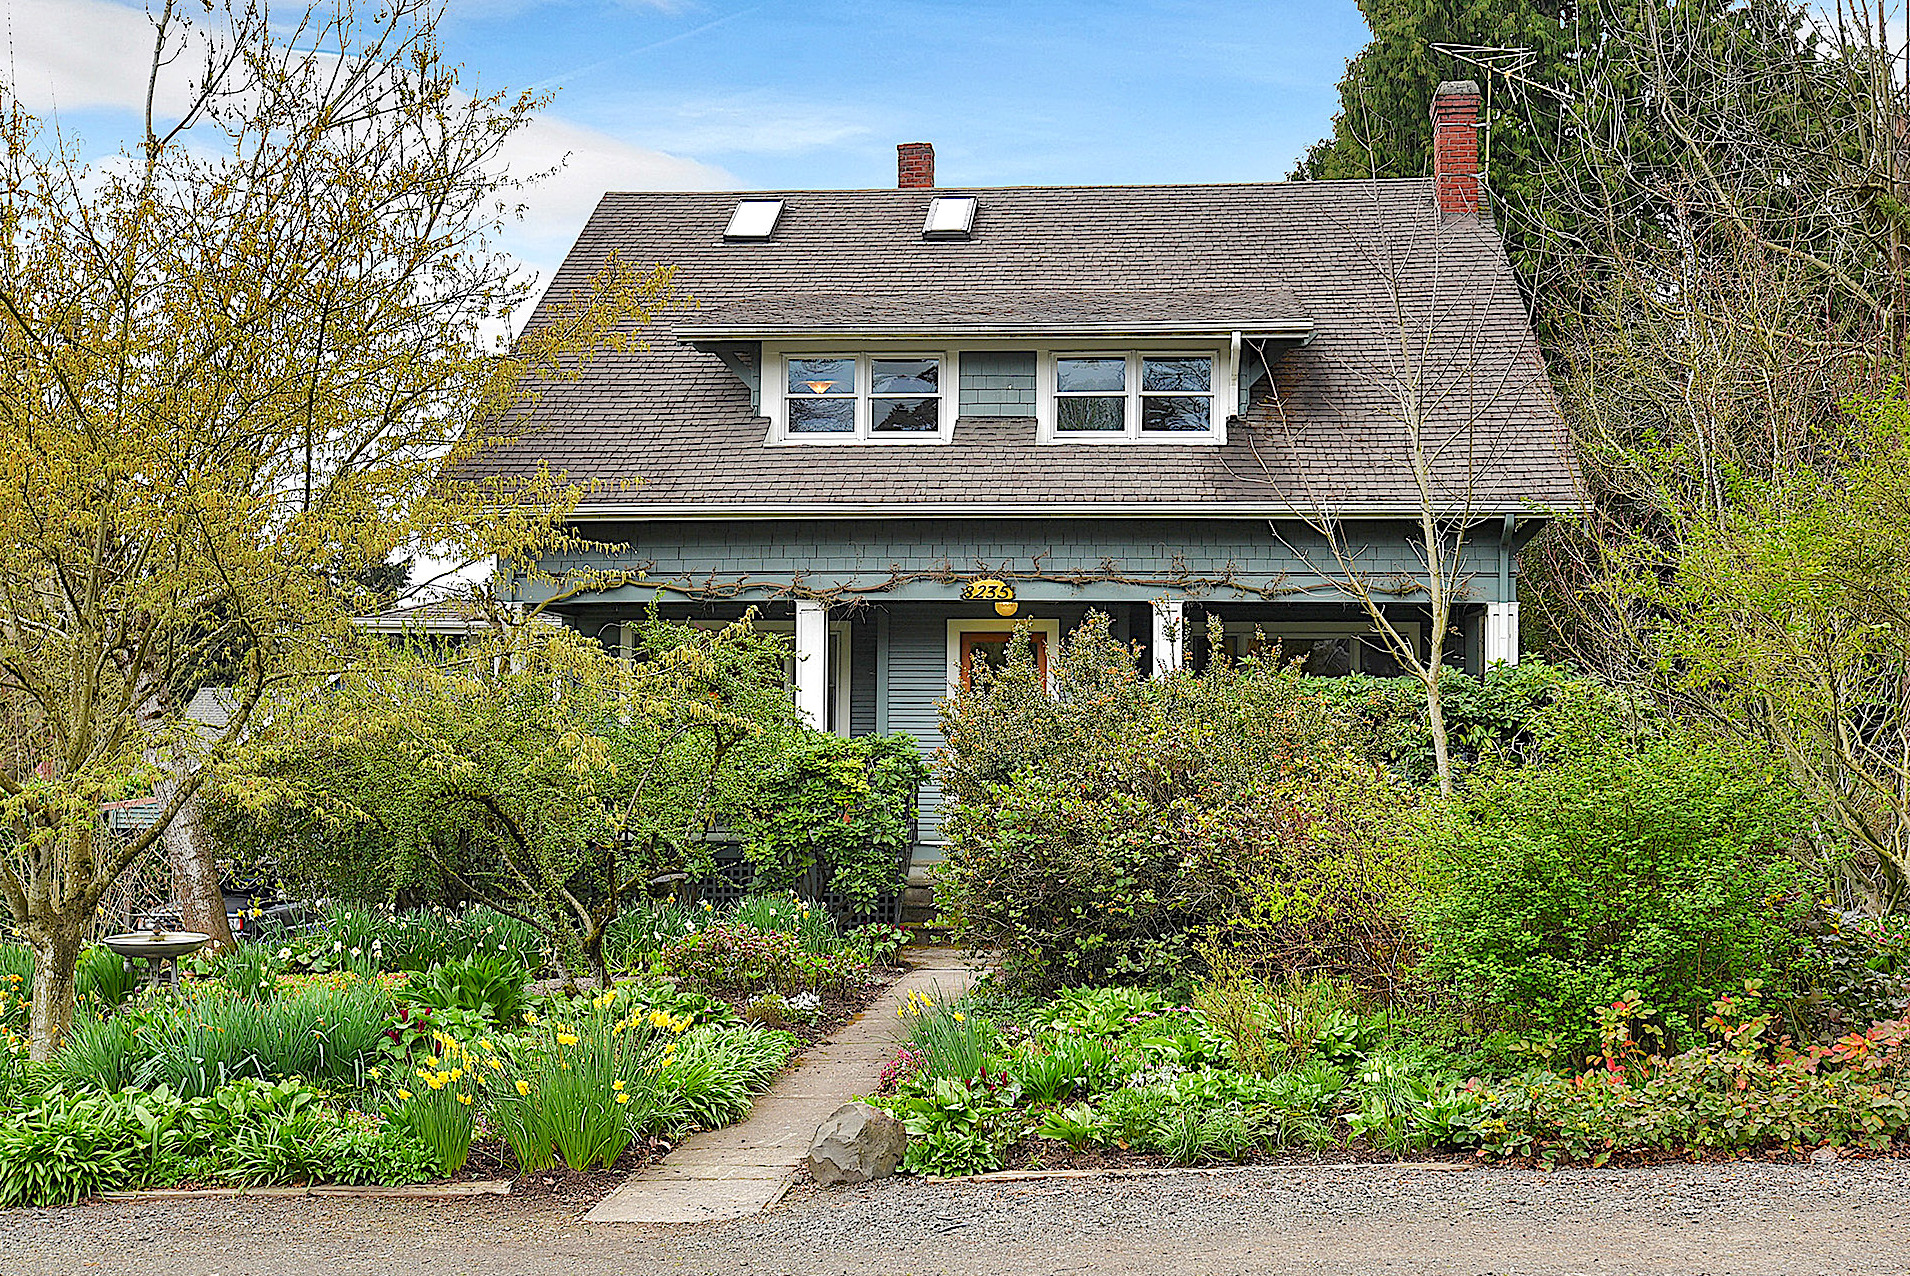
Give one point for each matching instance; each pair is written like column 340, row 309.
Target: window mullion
column 1133, row 432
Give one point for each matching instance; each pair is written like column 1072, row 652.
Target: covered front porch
column 883, row 666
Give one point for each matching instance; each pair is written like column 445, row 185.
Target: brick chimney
column 914, row 166
column 1455, row 117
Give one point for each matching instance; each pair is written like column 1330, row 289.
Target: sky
column 734, row 94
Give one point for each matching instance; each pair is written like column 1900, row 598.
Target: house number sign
column 989, row 590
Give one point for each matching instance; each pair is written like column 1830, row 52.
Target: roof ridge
column 921, row 191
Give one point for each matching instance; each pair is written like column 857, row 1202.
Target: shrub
column 1102, row 832
column 731, row 958
column 1662, row 864
column 840, row 805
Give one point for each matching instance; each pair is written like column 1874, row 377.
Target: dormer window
column 867, row 398
column 1132, row 396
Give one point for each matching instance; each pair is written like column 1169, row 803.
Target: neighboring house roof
column 1329, row 267
column 212, row 707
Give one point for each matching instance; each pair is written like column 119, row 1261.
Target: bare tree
column 1435, row 391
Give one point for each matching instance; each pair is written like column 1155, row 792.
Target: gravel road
column 1843, row 1217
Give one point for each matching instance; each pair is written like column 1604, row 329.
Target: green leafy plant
column 839, row 805
column 1077, row 1126
column 488, row 984
column 1659, row 862
column 62, row 1149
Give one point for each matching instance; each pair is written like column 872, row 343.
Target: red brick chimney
column 914, row 166
column 1455, row 117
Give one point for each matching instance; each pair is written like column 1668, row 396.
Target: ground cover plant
column 1127, row 1075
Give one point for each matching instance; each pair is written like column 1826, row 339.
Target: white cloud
column 754, row 124
column 557, row 207
column 74, row 55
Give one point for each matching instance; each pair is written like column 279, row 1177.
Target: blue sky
column 664, row 94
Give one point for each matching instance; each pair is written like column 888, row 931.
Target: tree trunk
column 54, row 958
column 189, row 849
column 195, row 873
column 1436, row 718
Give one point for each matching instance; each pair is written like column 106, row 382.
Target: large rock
column 857, row 1143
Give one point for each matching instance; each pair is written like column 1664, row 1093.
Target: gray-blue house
column 903, row 422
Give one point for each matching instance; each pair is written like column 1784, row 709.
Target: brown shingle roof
column 1398, row 302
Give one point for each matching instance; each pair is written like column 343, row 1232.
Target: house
column 904, row 422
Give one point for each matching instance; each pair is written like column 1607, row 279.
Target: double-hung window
column 1159, row 397
column 870, row 398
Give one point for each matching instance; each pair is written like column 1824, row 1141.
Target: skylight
column 949, row 217
column 754, row 219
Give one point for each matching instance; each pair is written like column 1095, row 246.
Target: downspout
column 1505, row 557
column 1234, row 409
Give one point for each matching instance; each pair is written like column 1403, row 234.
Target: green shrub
column 839, row 803
column 1101, row 829
column 1662, row 864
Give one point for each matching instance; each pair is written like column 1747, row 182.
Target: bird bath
column 159, row 949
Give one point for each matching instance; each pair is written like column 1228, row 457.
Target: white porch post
column 1170, row 635
column 812, row 662
column 1502, row 634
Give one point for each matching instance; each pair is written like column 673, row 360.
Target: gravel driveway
column 1844, row 1217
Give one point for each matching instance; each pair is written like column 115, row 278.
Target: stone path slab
column 745, row 1168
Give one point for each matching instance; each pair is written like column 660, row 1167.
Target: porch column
column 812, row 662
column 1170, row 633
column 1502, row 634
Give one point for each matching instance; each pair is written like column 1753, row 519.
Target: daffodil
column 523, row 1087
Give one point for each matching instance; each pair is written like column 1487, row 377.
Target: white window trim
column 1224, row 395
column 839, row 639
column 776, row 399
column 1050, row 629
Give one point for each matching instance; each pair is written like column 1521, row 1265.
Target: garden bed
column 307, row 1062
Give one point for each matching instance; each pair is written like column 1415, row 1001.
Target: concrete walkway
column 744, row 1168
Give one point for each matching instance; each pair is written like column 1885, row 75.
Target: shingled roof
column 1394, row 302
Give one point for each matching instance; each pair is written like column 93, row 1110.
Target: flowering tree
column 238, row 359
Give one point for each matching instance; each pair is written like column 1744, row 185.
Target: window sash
column 1135, row 398
column 874, row 411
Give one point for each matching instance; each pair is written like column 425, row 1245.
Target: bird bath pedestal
column 159, row 949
